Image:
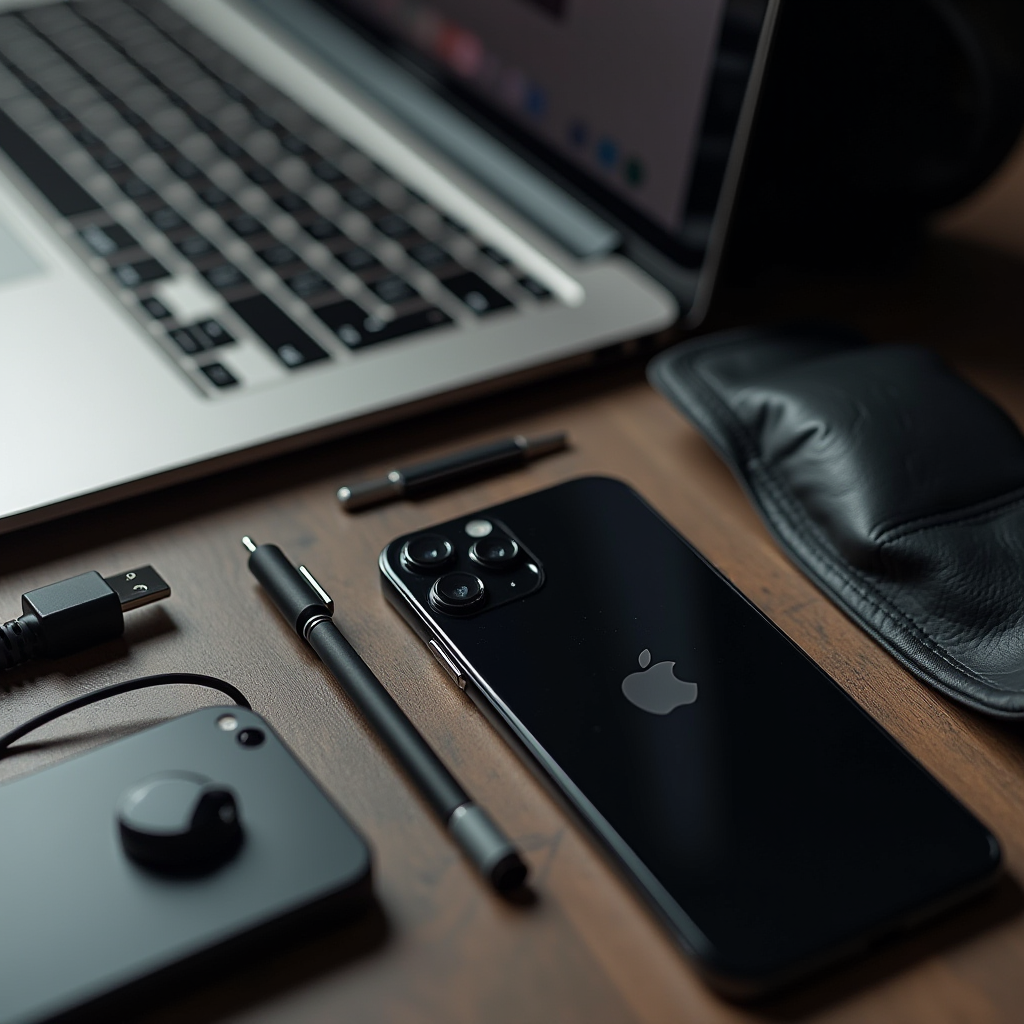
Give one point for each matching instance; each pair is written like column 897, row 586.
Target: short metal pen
column 309, row 610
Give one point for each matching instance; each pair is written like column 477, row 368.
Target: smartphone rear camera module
column 427, row 553
column 251, row 737
column 495, row 552
column 457, row 593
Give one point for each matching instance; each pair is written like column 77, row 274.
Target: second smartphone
column 769, row 821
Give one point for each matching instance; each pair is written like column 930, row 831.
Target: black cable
column 165, row 679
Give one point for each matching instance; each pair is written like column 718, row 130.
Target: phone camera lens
column 427, row 553
column 251, row 737
column 495, row 552
column 457, row 592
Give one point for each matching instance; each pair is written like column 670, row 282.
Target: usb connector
column 138, row 587
column 75, row 614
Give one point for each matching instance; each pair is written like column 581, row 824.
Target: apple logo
column 656, row 689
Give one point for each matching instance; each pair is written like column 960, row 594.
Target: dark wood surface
column 440, row 946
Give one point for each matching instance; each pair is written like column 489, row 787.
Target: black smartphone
column 770, row 822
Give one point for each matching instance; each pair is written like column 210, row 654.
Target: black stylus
column 308, row 609
column 448, row 470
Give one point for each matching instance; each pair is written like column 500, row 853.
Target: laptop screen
column 636, row 104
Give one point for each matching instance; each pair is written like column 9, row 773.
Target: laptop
column 232, row 227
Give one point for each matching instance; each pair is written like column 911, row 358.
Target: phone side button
column 447, row 663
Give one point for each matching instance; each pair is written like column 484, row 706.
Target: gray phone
column 88, row 929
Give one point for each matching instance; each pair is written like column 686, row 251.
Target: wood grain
column 441, row 947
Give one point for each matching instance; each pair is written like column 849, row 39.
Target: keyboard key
column 107, row 240
column 211, row 195
column 393, row 290
column 245, row 225
column 292, row 345
column 392, row 225
column 109, row 161
column 356, row 329
column 165, row 219
column 359, row 199
column 182, row 166
column 476, row 293
column 219, row 375
column 277, row 255
column 429, row 255
column 357, row 259
column 322, row 229
column 264, row 120
column 135, row 188
column 225, row 276
column 308, row 283
column 155, row 308
column 534, row 287
column 424, row 320
column 345, row 318
column 59, row 188
column 228, row 146
column 131, row 275
column 195, row 247
column 294, row 144
column 123, row 173
column 83, row 136
column 210, row 334
column 291, row 203
column 259, row 175
column 185, row 340
column 326, row 171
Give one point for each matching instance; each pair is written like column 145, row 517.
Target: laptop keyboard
column 220, row 210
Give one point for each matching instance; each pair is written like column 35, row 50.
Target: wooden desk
column 442, row 947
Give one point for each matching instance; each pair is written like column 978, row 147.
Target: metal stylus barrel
column 481, row 840
column 379, row 708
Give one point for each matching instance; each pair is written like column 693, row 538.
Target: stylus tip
column 487, row 847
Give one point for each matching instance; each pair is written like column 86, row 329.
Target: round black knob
column 179, row 823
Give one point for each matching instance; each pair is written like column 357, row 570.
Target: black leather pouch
column 891, row 482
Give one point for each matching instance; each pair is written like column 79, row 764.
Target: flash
column 478, row 527
column 227, row 722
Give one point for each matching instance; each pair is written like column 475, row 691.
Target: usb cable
column 75, row 614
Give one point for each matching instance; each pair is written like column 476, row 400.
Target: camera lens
column 251, row 737
column 457, row 592
column 427, row 553
column 496, row 551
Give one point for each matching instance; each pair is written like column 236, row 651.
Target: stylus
column 308, row 609
column 482, row 460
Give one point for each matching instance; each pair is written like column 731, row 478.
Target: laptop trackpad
column 15, row 260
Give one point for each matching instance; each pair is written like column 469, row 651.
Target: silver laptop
column 231, row 227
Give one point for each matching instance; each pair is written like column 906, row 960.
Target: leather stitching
column 978, row 512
